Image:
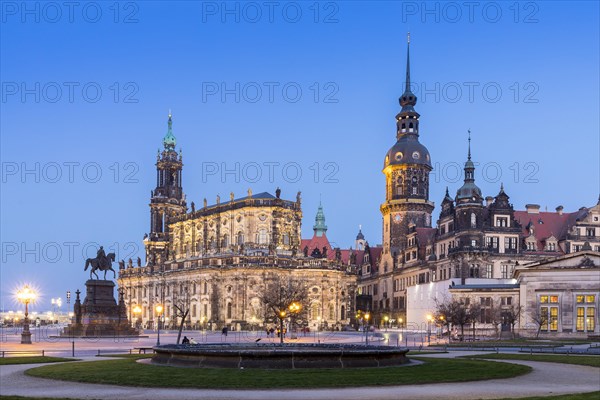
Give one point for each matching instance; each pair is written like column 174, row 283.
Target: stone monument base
column 99, row 315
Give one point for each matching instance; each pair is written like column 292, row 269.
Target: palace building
column 481, row 250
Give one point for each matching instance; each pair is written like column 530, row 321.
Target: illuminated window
column 549, row 316
column 586, row 313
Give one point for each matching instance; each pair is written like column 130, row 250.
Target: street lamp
column 56, row 303
column 367, row 316
column 429, row 319
column 318, row 328
column 385, row 321
column 442, row 321
column 294, row 310
column 26, row 296
column 137, row 311
column 159, row 310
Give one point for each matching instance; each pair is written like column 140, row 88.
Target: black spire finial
column 408, row 98
column 407, row 89
column 469, row 155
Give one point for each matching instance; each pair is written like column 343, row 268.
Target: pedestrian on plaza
column 224, row 331
column 185, row 340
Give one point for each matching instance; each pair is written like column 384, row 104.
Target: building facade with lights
column 217, row 258
column 480, row 250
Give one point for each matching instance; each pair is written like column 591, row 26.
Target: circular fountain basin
column 271, row 356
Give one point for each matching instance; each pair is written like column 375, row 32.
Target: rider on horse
column 101, row 255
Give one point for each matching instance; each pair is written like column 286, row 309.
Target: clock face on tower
column 398, row 218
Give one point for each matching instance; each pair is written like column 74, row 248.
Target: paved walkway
column 546, row 379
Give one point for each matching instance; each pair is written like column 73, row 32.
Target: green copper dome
column 169, row 140
column 319, row 227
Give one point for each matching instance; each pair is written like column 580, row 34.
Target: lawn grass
column 591, row 361
column 129, row 373
column 32, row 360
column 578, row 396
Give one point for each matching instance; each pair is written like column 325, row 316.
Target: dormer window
column 502, row 221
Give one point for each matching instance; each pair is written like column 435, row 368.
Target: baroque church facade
column 218, row 257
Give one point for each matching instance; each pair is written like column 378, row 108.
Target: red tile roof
column 319, row 242
column 546, row 224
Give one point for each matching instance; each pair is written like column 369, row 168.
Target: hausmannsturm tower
column 406, row 168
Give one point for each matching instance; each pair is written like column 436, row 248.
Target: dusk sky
column 300, row 96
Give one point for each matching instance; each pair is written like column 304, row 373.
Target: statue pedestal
column 99, row 315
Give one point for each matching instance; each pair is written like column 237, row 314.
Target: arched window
column 332, row 312
column 262, row 236
column 315, row 311
column 286, row 239
column 403, row 127
column 225, row 240
column 399, row 186
column 205, row 287
column 473, row 220
column 229, row 310
column 240, row 238
column 343, row 312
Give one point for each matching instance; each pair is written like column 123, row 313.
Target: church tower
column 319, row 227
column 167, row 200
column 469, row 208
column 406, row 168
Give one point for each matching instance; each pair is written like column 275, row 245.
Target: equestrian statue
column 102, row 262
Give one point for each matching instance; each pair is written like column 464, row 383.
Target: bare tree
column 454, row 312
column 474, row 311
column 539, row 318
column 283, row 298
column 181, row 305
column 496, row 316
column 512, row 315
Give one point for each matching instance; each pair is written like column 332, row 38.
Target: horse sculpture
column 101, row 264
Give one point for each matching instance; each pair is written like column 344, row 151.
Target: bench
column 142, row 349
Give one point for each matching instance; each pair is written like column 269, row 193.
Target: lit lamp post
column 294, row 310
column 26, row 296
column 318, row 328
column 281, row 316
column 137, row 311
column 385, row 322
column 429, row 318
column 442, row 322
column 159, row 310
column 367, row 316
column 56, row 303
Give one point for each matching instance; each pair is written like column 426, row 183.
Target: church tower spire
column 167, row 199
column 319, row 227
column 469, row 191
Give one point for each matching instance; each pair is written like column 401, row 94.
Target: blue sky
column 299, row 88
